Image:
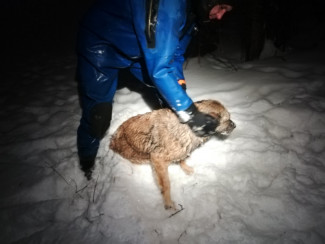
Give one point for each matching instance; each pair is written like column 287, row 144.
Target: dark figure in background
column 149, row 37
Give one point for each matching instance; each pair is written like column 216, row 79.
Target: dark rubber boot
column 87, row 166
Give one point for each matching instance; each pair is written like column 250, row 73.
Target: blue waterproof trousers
column 149, row 38
column 97, row 86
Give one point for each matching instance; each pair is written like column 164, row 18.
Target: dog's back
column 158, row 132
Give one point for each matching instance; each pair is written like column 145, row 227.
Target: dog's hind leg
column 160, row 168
column 187, row 169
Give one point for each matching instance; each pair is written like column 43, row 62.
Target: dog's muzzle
column 231, row 126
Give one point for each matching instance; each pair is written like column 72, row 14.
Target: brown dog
column 159, row 138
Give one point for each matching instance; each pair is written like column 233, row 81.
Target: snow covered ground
column 263, row 184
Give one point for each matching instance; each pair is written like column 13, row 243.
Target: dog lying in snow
column 159, row 138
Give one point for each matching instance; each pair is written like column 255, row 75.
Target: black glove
column 201, row 124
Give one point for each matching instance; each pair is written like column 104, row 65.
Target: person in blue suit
column 149, row 37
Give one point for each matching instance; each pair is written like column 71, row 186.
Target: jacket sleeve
column 179, row 54
column 160, row 58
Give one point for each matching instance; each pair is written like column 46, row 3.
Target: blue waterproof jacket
column 145, row 34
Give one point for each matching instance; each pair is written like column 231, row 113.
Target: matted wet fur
column 160, row 139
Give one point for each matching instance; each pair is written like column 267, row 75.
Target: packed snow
column 265, row 183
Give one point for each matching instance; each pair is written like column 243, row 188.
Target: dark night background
column 40, row 26
column 32, row 27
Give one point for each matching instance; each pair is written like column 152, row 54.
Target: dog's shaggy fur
column 159, row 138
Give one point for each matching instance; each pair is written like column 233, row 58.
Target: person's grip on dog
column 201, row 124
column 149, row 39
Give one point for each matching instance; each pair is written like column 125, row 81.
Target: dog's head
column 218, row 111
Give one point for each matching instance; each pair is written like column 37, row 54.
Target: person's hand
column 201, row 124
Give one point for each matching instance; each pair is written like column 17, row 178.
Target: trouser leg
column 92, row 128
column 96, row 94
